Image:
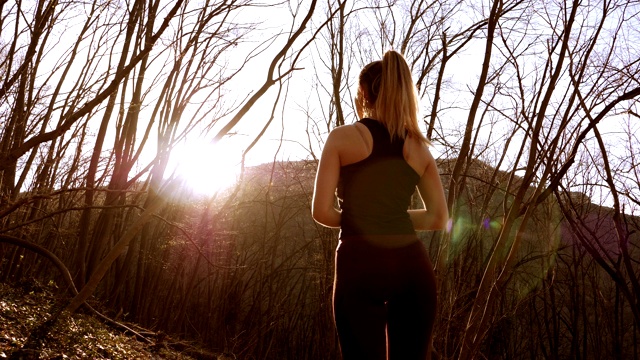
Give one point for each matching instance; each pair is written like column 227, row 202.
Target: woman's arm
column 322, row 208
column 435, row 214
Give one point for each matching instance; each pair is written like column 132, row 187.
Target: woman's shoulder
column 350, row 143
column 338, row 138
column 344, row 132
column 416, row 144
column 417, row 154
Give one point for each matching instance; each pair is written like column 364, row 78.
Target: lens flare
column 206, row 168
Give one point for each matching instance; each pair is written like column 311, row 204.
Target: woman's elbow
column 326, row 218
column 440, row 220
column 315, row 214
column 319, row 216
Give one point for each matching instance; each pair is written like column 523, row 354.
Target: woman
column 384, row 291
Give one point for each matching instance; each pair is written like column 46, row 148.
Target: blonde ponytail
column 397, row 100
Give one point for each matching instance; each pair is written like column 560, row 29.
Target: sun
column 205, row 167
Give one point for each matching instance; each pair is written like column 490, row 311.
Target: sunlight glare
column 206, row 168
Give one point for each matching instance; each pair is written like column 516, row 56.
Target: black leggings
column 384, row 300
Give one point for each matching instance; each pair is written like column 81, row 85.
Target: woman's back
column 351, row 144
column 356, row 144
column 376, row 191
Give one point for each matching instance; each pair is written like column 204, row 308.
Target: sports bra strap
column 382, row 144
column 364, row 137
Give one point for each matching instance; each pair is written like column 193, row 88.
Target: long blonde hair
column 386, row 92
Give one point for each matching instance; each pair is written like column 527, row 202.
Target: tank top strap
column 382, row 144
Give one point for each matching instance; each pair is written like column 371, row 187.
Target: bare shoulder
column 417, row 154
column 346, row 130
column 343, row 135
column 348, row 143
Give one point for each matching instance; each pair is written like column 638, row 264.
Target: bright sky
column 297, row 128
column 220, row 163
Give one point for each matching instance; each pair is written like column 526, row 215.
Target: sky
column 297, row 130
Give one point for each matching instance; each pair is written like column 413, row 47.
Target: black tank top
column 375, row 193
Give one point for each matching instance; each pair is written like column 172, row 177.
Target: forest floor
column 82, row 336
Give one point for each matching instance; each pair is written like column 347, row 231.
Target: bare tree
column 531, row 106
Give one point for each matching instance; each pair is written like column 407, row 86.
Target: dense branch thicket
column 532, row 108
